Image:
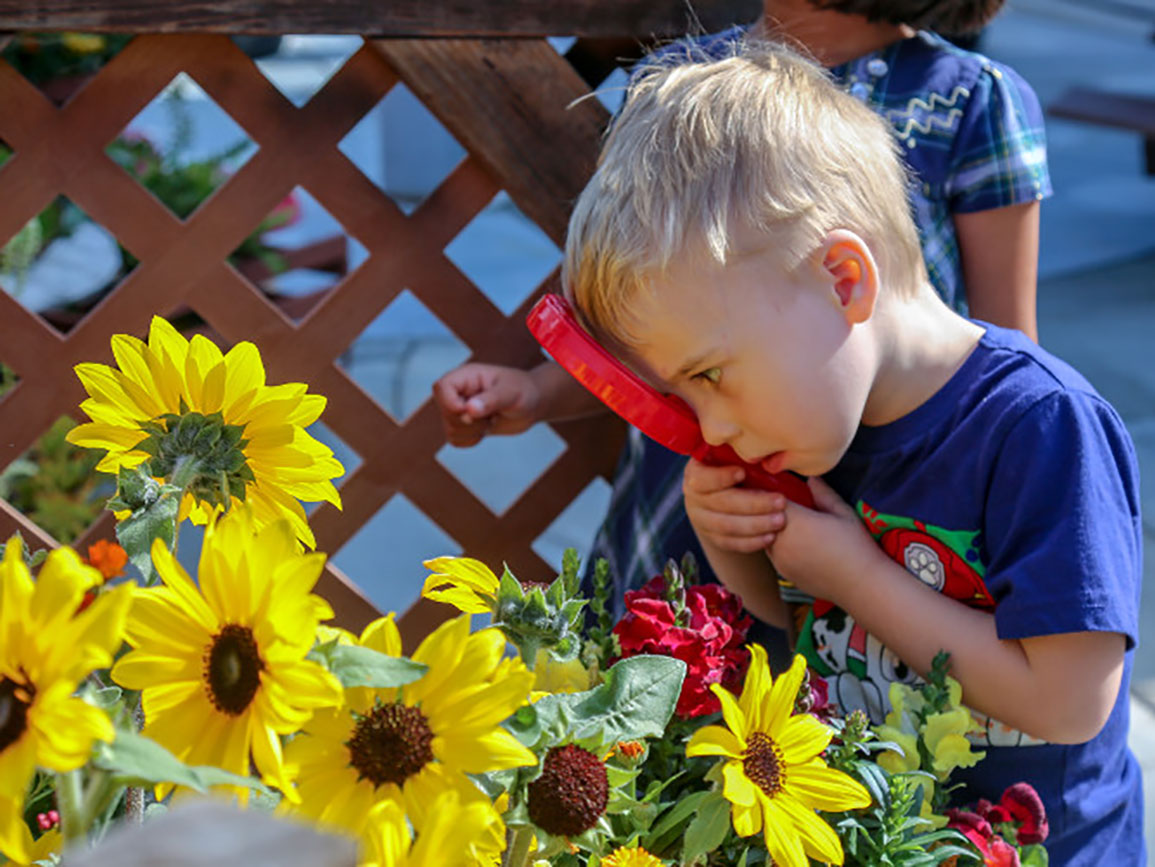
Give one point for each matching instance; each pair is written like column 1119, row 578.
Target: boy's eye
column 712, row 374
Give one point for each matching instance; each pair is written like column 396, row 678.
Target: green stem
column 70, row 800
column 517, row 852
column 187, row 468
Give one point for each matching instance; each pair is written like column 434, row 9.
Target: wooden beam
column 404, row 18
column 518, row 107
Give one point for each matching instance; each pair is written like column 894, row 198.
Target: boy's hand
column 818, row 548
column 726, row 516
column 479, row 399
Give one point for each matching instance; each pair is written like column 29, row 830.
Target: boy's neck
column 831, row 37
column 921, row 343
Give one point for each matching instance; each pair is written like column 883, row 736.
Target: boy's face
column 771, row 362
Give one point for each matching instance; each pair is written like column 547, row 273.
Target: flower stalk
column 518, row 848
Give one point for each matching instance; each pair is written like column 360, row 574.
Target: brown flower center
column 15, row 699
column 572, row 792
column 390, row 744
column 762, row 763
column 233, row 667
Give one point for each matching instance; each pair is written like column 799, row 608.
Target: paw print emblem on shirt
column 923, row 563
column 933, row 563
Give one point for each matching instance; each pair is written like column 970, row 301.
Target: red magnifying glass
column 664, row 418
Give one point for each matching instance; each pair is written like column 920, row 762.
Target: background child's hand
column 479, row 399
column 726, row 516
column 819, row 548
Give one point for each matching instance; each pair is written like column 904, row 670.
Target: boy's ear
column 850, row 270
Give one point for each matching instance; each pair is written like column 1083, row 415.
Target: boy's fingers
column 702, row 479
column 744, row 544
column 826, row 499
column 743, row 501
column 719, row 524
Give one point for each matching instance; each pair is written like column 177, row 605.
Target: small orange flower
column 108, row 557
column 631, row 749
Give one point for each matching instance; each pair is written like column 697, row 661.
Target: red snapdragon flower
column 995, row 850
column 1020, row 807
column 710, row 643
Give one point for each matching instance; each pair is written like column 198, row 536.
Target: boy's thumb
column 826, row 499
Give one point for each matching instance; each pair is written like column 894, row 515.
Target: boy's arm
column 1058, row 687
column 753, row 578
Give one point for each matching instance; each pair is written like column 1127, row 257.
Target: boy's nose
column 717, row 431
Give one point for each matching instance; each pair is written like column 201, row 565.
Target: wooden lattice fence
column 510, row 100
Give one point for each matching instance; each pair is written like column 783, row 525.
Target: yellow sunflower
column 634, row 856
column 47, row 646
column 410, row 744
column 773, row 774
column 223, row 669
column 467, row 584
column 134, row 407
column 459, row 834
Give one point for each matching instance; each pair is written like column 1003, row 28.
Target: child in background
column 973, row 493
column 971, row 133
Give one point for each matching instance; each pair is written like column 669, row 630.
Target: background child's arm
column 1000, row 250
column 1059, row 687
column 734, row 526
column 479, row 399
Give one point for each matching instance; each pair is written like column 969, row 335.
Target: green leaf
column 153, row 509
column 104, row 698
column 875, row 780
column 1034, row 856
column 708, row 828
column 636, row 700
column 677, row 814
column 138, row 761
column 363, row 666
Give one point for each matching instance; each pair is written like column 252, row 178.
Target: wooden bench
column 1105, row 108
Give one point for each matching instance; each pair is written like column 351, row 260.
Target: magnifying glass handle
column 790, row 484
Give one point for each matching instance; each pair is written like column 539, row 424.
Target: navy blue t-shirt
column 1014, row 489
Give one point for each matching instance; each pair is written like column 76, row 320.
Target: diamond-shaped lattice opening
column 500, row 468
column 402, row 148
column 297, row 253
column 302, row 64
column 384, row 557
column 181, row 147
column 576, row 526
column 61, row 63
column 61, row 263
column 402, row 352
column 504, row 253
column 611, row 89
column 56, row 485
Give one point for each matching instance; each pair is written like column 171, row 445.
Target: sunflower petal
column 823, row 788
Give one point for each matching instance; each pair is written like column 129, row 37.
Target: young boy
column 746, row 244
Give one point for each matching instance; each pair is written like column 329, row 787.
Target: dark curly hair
column 951, row 17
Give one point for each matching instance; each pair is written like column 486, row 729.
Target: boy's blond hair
column 762, row 139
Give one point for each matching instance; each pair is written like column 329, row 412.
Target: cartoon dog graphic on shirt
column 858, row 667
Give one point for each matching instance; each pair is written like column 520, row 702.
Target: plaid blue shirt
column 972, row 133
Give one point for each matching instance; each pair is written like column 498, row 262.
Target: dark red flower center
column 233, row 667
column 572, row 792
column 390, row 744
column 762, row 763
column 15, row 699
